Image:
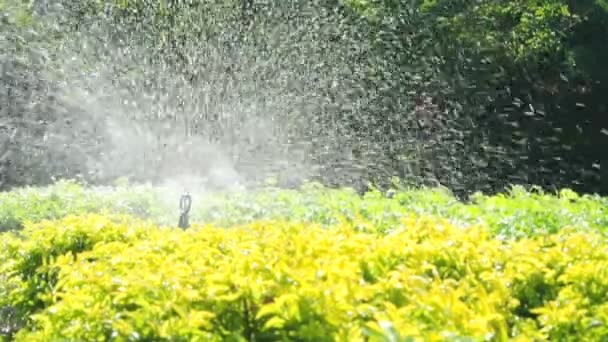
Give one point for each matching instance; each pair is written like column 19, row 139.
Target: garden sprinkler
column 185, row 203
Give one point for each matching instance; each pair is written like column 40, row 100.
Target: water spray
column 185, row 203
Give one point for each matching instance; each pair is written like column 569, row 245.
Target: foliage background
column 474, row 96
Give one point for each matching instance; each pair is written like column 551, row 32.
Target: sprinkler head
column 185, row 203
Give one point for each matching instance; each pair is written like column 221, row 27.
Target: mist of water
column 244, row 101
column 219, row 96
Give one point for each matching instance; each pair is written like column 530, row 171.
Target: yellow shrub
column 427, row 280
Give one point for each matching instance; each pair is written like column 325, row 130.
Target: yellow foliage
column 426, row 280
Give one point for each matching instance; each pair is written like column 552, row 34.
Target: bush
column 64, row 198
column 516, row 214
column 277, row 280
column 27, row 256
